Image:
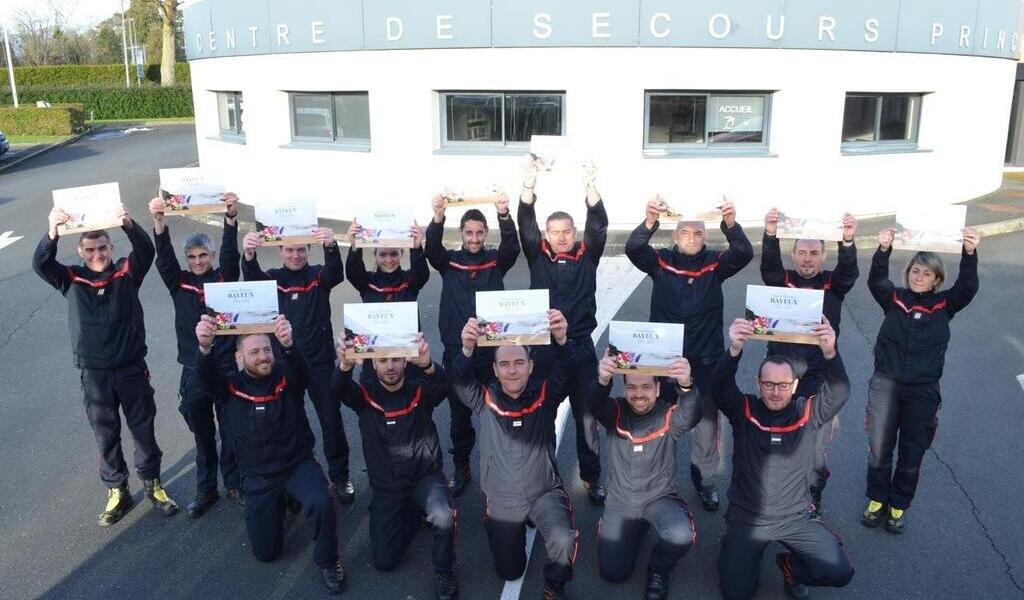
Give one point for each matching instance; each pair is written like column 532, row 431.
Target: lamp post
column 10, row 65
column 124, row 47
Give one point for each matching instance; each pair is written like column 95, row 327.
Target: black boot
column 657, row 586
column 236, row 495
column 554, row 591
column 344, row 492
column 595, row 492
column 119, row 502
column 157, row 495
column 895, row 522
column 873, row 518
column 201, row 503
column 708, row 495
column 334, row 578
column 446, row 586
column 793, row 588
column 460, row 479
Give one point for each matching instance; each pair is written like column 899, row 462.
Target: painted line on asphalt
column 616, row 280
column 1020, row 380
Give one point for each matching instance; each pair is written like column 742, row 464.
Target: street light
column 10, row 64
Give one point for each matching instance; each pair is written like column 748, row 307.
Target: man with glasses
column 687, row 289
column 808, row 259
column 773, row 450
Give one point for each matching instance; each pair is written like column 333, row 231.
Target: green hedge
column 90, row 75
column 59, row 119
column 114, row 103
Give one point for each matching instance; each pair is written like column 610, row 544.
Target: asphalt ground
column 965, row 534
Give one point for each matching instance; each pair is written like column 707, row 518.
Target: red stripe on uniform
column 259, row 399
column 514, row 414
column 546, row 249
column 481, row 267
column 101, row 282
column 826, row 287
column 917, row 307
column 685, row 273
column 389, row 290
column 788, row 428
column 392, row 414
column 300, row 288
column 651, row 436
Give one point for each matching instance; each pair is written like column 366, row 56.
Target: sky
column 84, row 13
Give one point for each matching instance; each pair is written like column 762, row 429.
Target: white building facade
column 854, row 106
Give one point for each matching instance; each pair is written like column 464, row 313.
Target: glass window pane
column 859, row 118
column 898, row 117
column 473, row 118
column 736, row 119
column 532, row 114
column 239, row 122
column 677, row 120
column 312, row 116
column 352, row 116
column 226, row 111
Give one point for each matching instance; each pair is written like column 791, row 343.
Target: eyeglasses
column 782, row 386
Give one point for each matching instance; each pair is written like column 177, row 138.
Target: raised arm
column 419, row 272
column 727, row 395
column 356, row 268
column 599, row 400
column 229, row 255
column 251, row 270
column 879, row 283
column 464, row 383
column 434, row 248
column 846, row 272
column 529, row 231
column 211, row 377
column 740, row 251
column 508, row 249
column 687, row 411
column 333, row 272
column 44, row 263
column 834, row 392
column 772, row 270
column 638, row 245
column 595, row 232
column 344, row 389
column 966, row 284
column 167, row 264
column 140, row 259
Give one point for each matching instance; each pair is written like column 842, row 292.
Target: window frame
column 492, row 147
column 236, row 135
column 879, row 146
column 345, row 143
column 708, row 148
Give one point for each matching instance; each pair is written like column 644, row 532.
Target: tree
column 169, row 21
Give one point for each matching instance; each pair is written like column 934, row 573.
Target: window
column 881, row 122
column 500, row 119
column 706, row 122
column 229, row 115
column 332, row 117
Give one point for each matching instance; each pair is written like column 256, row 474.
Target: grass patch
column 37, row 139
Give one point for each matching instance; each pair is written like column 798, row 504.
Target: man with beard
column 518, row 469
column 108, row 340
column 464, row 272
column 395, row 406
column 264, row 402
column 186, row 289
column 304, row 294
column 808, row 259
column 643, row 433
column 687, row 289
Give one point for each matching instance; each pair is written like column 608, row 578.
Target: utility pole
column 124, row 47
column 135, row 52
column 10, row 64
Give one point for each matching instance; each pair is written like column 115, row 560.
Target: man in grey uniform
column 773, row 450
column 518, row 472
column 642, row 437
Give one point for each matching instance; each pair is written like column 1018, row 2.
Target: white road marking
column 7, row 240
column 616, row 280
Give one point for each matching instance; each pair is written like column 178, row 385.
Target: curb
column 43, row 150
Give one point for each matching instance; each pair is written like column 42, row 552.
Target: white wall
column 964, row 123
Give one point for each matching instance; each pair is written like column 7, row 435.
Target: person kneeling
column 642, row 436
column 773, row 452
column 264, row 402
column 519, row 473
column 403, row 457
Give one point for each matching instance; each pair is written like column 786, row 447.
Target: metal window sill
column 488, row 151
column 873, row 150
column 658, row 153
column 230, row 139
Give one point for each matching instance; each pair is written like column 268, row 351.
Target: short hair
column 239, row 339
column 928, row 260
column 560, row 215
column 526, row 349
column 657, row 380
column 93, row 235
column 776, row 359
column 796, row 242
column 197, row 239
column 473, row 214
